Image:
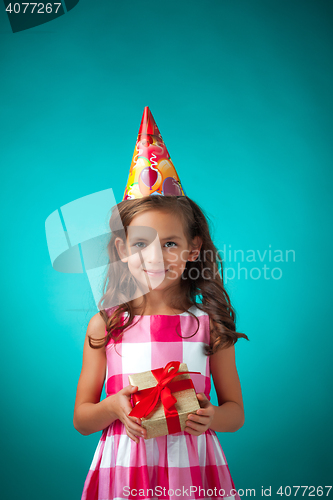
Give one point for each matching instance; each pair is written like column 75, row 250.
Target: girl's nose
column 153, row 253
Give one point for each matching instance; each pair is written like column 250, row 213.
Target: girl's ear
column 121, row 249
column 195, row 249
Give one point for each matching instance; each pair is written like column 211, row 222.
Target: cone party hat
column 152, row 171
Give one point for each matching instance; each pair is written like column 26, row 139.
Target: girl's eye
column 139, row 244
column 171, row 243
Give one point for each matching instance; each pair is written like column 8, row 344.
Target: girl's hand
column 200, row 421
column 121, row 407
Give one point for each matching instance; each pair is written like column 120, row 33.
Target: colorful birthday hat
column 152, row 171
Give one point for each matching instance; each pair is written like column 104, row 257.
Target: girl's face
column 156, row 249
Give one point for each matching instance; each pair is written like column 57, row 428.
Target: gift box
column 164, row 399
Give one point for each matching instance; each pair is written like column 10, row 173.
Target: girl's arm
column 91, row 414
column 229, row 416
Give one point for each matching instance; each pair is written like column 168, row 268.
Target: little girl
column 186, row 316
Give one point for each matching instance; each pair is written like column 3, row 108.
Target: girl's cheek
column 134, row 261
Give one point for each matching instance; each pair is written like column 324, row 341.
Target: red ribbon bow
column 147, row 399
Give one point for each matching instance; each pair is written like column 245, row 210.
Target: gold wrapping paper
column 187, row 402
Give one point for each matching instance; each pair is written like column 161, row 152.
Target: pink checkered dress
column 167, row 467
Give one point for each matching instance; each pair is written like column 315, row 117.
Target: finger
column 134, row 438
column 135, row 432
column 192, row 431
column 201, row 412
column 201, row 419
column 136, row 420
column 196, row 426
column 204, row 411
column 203, row 400
column 136, row 429
column 129, row 389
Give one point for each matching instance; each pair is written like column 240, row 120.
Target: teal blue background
column 242, row 94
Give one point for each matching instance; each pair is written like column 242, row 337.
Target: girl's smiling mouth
column 155, row 273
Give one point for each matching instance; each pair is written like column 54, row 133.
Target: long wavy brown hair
column 201, row 284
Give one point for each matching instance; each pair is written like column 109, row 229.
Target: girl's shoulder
column 96, row 326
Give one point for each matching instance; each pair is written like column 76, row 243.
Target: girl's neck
column 155, row 305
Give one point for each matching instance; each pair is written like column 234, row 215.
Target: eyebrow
column 145, row 239
column 172, row 238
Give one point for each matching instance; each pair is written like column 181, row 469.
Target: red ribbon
column 147, row 399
